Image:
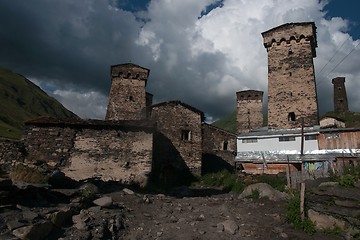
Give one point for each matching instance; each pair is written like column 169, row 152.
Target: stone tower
column 340, row 98
column 249, row 114
column 291, row 78
column 128, row 99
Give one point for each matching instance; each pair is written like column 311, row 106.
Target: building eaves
column 176, row 102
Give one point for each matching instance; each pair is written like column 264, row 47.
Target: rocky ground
column 97, row 210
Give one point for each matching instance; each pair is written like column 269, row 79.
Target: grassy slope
column 228, row 123
column 351, row 119
column 21, row 100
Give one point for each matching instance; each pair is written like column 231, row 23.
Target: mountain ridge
column 22, row 100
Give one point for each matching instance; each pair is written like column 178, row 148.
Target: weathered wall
column 11, row 152
column 218, row 149
column 291, row 78
column 249, row 114
column 340, row 97
column 181, row 125
column 120, row 151
column 127, row 99
column 339, row 139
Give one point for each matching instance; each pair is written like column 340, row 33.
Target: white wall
column 273, row 144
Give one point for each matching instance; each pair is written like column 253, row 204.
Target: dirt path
column 218, row 216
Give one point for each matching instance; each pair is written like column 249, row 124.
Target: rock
column 347, row 203
column 201, row 217
column 265, row 190
column 323, row 221
column 29, row 215
column 89, row 187
column 61, row 218
column 12, row 225
column 229, row 226
column 95, row 209
column 328, row 184
column 58, row 180
column 103, row 201
column 220, row 227
column 128, row 191
column 79, row 222
column 34, row 232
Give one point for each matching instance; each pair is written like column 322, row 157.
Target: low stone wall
column 108, row 150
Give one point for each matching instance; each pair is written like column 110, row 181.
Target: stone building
column 179, row 125
column 291, row 78
column 249, row 115
column 128, row 99
column 340, row 97
column 82, row 149
column 218, row 148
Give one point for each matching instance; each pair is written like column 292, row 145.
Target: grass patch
column 293, row 216
column 231, row 182
column 348, row 177
column 23, row 173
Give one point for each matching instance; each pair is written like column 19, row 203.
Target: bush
column 23, row 173
column 224, row 179
column 293, row 216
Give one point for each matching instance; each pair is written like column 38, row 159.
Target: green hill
column 21, row 100
column 227, row 123
column 351, row 119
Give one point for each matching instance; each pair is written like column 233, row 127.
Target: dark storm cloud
column 73, row 42
column 70, row 45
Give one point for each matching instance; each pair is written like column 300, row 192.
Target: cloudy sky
column 200, row 52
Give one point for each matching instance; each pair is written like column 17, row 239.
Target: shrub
column 23, row 173
column 293, row 216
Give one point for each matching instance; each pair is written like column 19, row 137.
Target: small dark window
column 290, row 51
column 137, row 76
column 286, row 139
column 58, row 134
column 225, row 145
column 186, row 135
column 131, row 98
column 291, row 116
column 128, row 75
column 290, row 74
column 310, row 137
column 339, row 88
column 249, row 140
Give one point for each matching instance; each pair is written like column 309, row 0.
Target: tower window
column 128, row 75
column 291, row 116
column 339, row 88
column 186, row 135
column 131, row 98
column 290, row 51
column 290, row 74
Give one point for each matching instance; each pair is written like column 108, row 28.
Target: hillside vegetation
column 21, row 100
column 227, row 123
column 351, row 119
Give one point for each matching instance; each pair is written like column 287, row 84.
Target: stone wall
column 291, row 79
column 180, row 125
column 108, row 150
column 11, row 152
column 218, row 149
column 127, row 98
column 249, row 114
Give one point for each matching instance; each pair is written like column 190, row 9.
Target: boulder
column 103, row 201
column 229, row 226
column 265, row 190
column 36, row 231
column 62, row 217
column 323, row 221
column 328, row 184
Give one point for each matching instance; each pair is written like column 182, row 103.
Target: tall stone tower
column 128, row 99
column 291, row 78
column 340, row 98
column 249, row 114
